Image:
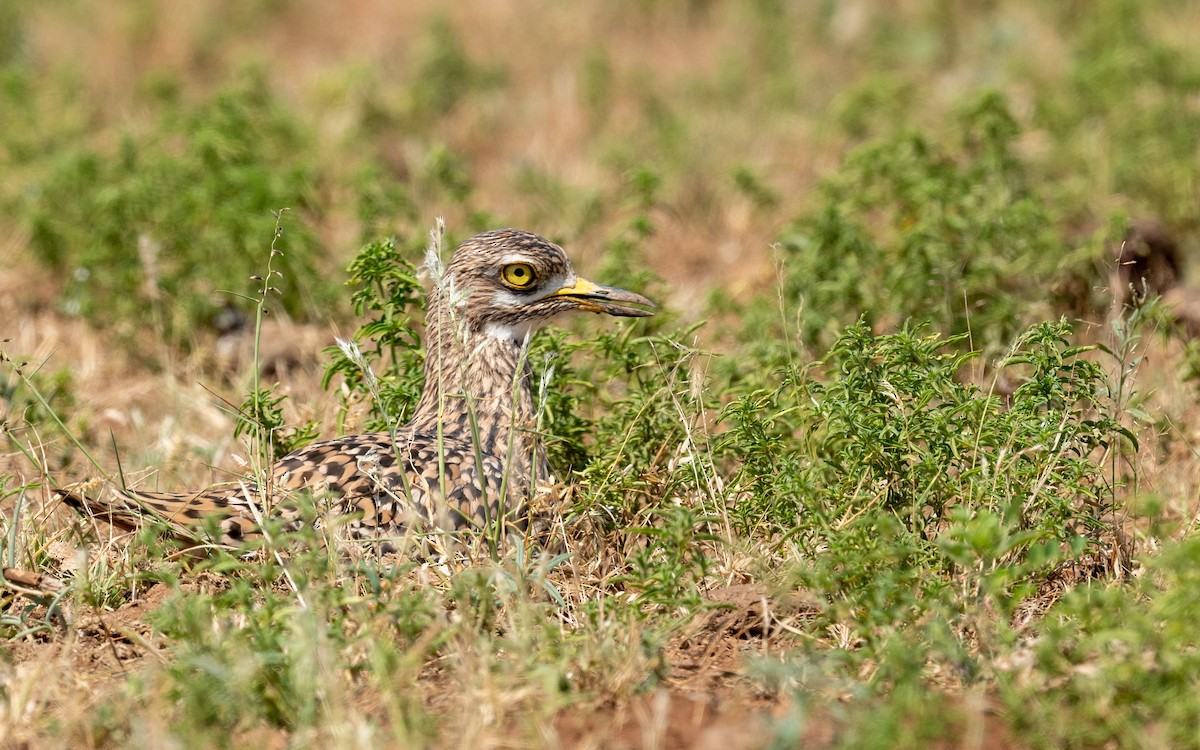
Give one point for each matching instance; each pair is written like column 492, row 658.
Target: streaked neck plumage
column 478, row 382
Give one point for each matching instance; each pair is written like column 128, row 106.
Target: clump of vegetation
column 445, row 75
column 383, row 363
column 901, row 487
column 1124, row 105
column 1115, row 658
column 249, row 654
column 910, row 227
column 166, row 229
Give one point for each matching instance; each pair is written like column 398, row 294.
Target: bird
column 468, row 458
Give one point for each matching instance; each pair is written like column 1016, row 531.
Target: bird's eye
column 518, row 275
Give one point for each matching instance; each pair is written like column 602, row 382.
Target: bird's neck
column 478, row 382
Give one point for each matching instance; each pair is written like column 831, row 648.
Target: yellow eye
column 518, row 275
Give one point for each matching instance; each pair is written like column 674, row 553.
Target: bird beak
column 593, row 297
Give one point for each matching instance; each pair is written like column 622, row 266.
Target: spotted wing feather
column 384, row 487
column 183, row 513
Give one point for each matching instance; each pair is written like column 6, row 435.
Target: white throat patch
column 518, row 333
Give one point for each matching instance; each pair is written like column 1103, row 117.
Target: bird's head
column 508, row 282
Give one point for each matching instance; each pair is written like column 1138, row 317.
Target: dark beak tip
column 627, row 312
column 621, row 295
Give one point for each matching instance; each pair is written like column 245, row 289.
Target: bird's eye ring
column 518, row 275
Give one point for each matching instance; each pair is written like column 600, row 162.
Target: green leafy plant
column 950, row 233
column 383, row 361
column 1120, row 57
column 669, row 567
column 898, row 481
column 1117, row 659
column 262, row 646
column 174, row 216
column 445, row 75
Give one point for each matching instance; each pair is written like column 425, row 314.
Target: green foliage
column 381, row 198
column 913, row 228
column 645, row 454
column 445, row 75
column 263, row 646
column 383, row 361
column 927, row 513
column 447, row 172
column 667, row 571
column 17, row 404
column 12, row 32
column 897, row 710
column 1127, row 102
column 295, row 641
column 641, row 191
column 596, row 86
column 565, row 398
column 897, row 480
column 931, row 515
column 150, row 233
column 1117, row 659
column 875, row 105
column 261, row 415
column 752, row 186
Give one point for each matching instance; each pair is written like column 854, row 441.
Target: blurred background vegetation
column 955, row 159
